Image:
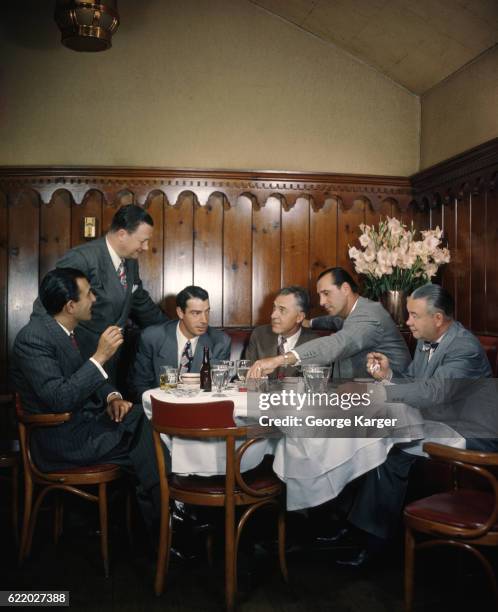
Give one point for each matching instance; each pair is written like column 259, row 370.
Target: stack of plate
column 191, row 378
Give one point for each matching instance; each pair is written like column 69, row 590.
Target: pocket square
column 135, row 287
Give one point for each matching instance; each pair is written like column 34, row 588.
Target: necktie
column 186, row 358
column 430, row 345
column 281, row 346
column 122, row 274
column 72, row 337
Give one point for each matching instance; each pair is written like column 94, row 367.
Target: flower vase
column 395, row 304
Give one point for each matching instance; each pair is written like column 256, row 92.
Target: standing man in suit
column 367, row 326
column 111, row 265
column 51, row 375
column 449, row 381
column 178, row 343
column 285, row 330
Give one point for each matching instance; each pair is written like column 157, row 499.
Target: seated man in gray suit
column 449, row 381
column 285, row 330
column 366, row 327
column 51, row 375
column 178, row 343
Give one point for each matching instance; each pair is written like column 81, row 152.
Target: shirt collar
column 182, row 340
column 291, row 341
column 116, row 259
column 64, row 328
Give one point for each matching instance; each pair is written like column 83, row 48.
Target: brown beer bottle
column 205, row 371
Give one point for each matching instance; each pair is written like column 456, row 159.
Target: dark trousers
column 374, row 501
column 136, row 452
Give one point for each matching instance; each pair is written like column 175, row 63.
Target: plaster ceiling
column 417, row 43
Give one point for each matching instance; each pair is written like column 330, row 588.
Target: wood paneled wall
column 462, row 196
column 241, row 236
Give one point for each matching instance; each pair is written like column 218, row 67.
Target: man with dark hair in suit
column 178, row 343
column 51, row 375
column 285, row 330
column 111, row 265
column 366, row 326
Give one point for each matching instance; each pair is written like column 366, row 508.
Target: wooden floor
column 315, row 584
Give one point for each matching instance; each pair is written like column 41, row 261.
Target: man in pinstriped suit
column 51, row 375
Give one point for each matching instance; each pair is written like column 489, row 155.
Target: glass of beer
column 168, row 377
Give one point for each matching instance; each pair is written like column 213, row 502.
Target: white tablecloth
column 207, row 457
column 315, row 470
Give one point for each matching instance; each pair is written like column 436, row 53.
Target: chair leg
column 281, row 545
column 230, row 557
column 15, row 502
column 58, row 517
column 104, row 545
column 129, row 523
column 409, row 568
column 163, row 551
column 28, row 505
column 209, row 549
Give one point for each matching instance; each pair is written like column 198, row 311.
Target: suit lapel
column 439, row 353
column 203, row 341
column 169, row 347
column 112, row 283
column 74, row 358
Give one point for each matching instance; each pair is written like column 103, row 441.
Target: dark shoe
column 358, row 560
column 335, row 537
column 184, row 517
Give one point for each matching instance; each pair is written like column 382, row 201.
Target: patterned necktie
column 281, row 346
column 429, row 347
column 122, row 274
column 186, row 358
column 72, row 337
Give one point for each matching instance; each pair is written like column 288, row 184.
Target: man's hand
column 378, row 366
column 117, row 409
column 262, row 367
column 109, row 342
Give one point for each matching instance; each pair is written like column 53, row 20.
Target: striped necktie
column 186, row 358
column 122, row 274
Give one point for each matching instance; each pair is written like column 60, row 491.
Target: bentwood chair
column 75, row 480
column 463, row 518
column 250, row 490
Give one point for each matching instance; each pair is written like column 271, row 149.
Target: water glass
column 168, row 377
column 219, row 378
column 231, row 367
column 243, row 366
column 316, row 377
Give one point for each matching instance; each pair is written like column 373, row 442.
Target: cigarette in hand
column 375, row 367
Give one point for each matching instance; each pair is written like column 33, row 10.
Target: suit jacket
column 264, row 343
column 368, row 328
column 51, row 375
column 327, row 322
column 114, row 304
column 158, row 346
column 454, row 386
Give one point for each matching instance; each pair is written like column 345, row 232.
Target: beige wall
column 461, row 112
column 202, row 84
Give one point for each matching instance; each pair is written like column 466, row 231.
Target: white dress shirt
column 116, row 259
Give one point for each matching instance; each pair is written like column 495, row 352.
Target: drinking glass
column 168, row 377
column 231, row 367
column 243, row 366
column 219, row 378
column 316, row 377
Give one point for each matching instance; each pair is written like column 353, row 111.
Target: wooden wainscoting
column 462, row 195
column 241, row 235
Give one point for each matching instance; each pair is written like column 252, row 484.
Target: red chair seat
column 465, row 509
column 259, row 478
